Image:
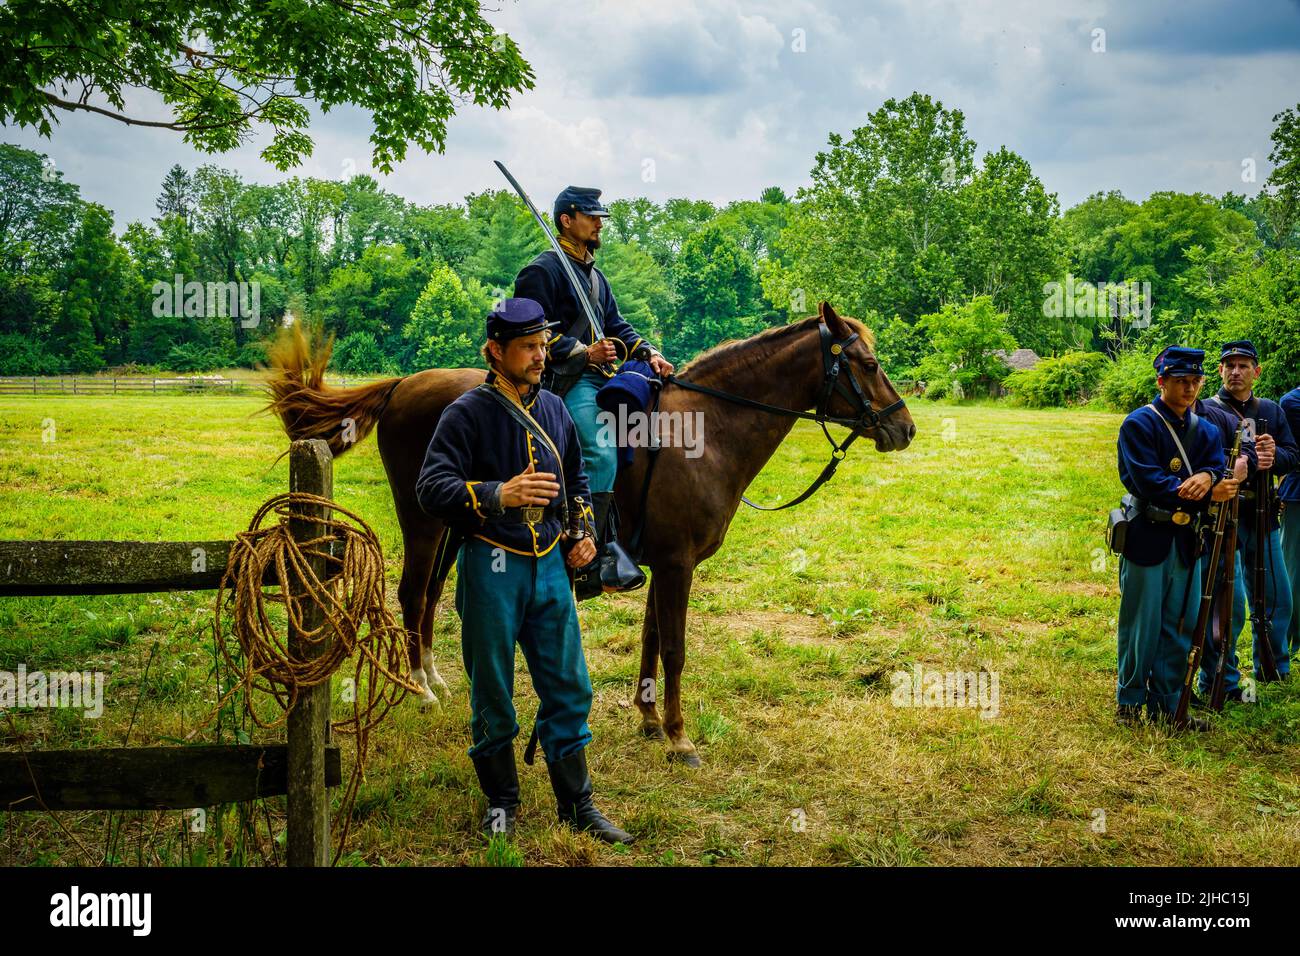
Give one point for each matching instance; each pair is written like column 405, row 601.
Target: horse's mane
column 733, row 350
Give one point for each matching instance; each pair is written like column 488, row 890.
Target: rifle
column 1218, row 690
column 1220, row 512
column 1261, row 624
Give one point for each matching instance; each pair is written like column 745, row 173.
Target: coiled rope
column 351, row 599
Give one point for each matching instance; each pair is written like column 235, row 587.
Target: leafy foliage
column 1069, row 379
column 965, row 339
column 224, row 67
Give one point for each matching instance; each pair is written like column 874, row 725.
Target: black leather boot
column 572, row 786
column 613, row 568
column 500, row 782
column 1129, row 715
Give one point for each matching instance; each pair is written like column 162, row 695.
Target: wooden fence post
column 308, row 838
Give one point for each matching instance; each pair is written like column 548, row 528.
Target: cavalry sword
column 583, row 300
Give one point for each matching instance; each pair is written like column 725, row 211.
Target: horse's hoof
column 428, row 703
column 653, row 732
column 688, row 757
column 431, row 671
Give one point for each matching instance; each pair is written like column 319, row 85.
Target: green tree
column 375, row 295
column 98, row 295
column 1089, row 234
column 717, row 292
column 1283, row 185
column 312, row 205
column 641, row 287
column 507, row 238
column 965, row 338
column 441, row 233
column 1151, row 246
column 225, row 68
column 367, row 216
column 178, row 196
column 1260, row 303
column 1011, row 247
column 269, row 213
column 38, row 211
column 447, row 326
column 360, row 354
column 887, row 200
column 636, row 220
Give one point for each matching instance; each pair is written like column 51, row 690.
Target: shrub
column 965, row 338
column 1069, row 379
column 360, row 354
column 20, row 355
column 1129, row 381
column 188, row 357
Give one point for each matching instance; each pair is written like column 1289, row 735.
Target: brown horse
column 691, row 498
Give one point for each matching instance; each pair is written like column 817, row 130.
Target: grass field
column 978, row 547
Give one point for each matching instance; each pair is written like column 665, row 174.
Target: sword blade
column 583, row 301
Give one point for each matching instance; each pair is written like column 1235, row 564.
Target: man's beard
column 593, row 243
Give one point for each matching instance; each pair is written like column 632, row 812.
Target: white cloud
column 713, row 92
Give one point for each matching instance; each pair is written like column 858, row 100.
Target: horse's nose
column 911, row 432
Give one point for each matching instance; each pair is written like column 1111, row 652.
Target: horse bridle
column 835, row 365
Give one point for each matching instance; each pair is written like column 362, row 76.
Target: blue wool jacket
column 1151, row 468
column 1272, row 420
column 544, row 280
column 1290, row 405
column 478, row 446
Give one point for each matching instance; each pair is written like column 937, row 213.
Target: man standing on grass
column 1275, row 453
column 504, row 469
column 1225, row 423
column 1173, row 464
column 1289, row 496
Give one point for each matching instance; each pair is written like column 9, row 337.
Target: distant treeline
column 949, row 258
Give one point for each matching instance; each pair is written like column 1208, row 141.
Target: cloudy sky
column 716, row 99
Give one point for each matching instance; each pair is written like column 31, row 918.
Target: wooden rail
column 180, row 777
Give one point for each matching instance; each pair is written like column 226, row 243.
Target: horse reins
column 834, row 360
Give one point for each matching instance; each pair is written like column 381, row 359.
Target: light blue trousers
column 1291, row 558
column 600, row 459
column 504, row 599
column 1152, row 651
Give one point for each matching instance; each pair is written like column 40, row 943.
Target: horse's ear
column 832, row 320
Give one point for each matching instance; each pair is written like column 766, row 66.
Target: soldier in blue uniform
column 1273, row 452
column 504, row 469
column 1173, row 464
column 1289, row 495
column 1225, row 424
column 578, row 361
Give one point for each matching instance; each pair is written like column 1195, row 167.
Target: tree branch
column 131, row 121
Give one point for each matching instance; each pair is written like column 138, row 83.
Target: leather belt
column 1164, row 515
column 530, row 514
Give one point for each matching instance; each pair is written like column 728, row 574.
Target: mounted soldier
column 505, row 472
column 580, row 361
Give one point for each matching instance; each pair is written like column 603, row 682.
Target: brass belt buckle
column 533, row 513
column 1181, row 517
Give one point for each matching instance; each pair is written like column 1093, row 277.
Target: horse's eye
column 871, row 368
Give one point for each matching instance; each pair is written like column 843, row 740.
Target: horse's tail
column 307, row 406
